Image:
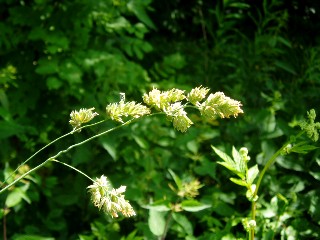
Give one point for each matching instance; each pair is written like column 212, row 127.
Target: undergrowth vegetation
column 168, row 170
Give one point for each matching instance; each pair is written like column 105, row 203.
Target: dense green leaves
column 56, row 57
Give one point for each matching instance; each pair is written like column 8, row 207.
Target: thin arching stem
column 69, row 166
column 37, row 152
column 62, row 152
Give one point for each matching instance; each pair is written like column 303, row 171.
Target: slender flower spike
column 117, row 111
column 82, row 116
column 108, row 199
column 219, row 105
column 197, row 94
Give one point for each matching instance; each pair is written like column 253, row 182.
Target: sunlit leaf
column 193, row 206
column 176, row 179
column 239, row 182
column 252, row 174
column 156, row 222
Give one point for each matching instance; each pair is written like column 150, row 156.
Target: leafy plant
column 111, row 200
column 238, row 164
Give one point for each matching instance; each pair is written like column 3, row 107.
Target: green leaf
column 193, row 205
column 53, row 83
column 161, row 206
column 316, row 175
column 252, row 174
column 47, row 66
column 157, row 222
column 231, row 167
column 239, row 182
column 30, row 237
column 138, row 8
column 286, row 66
column 8, row 129
column 223, row 156
column 236, row 157
column 16, row 196
column 183, row 222
column 176, row 179
column 303, row 149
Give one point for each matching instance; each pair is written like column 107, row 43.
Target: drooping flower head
column 108, row 199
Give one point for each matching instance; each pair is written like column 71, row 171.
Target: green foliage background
column 57, row 56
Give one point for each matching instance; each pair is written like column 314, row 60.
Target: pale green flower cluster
column 190, row 189
column 108, row 199
column 197, row 94
column 83, row 116
column 248, row 224
column 161, row 100
column 117, row 111
column 219, row 105
column 312, row 128
column 169, row 102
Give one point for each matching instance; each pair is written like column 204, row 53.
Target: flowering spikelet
column 82, row 116
column 111, row 201
column 161, row 100
column 197, row 94
column 219, row 105
column 117, row 111
column 178, row 116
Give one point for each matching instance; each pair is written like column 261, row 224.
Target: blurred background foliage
column 58, row 56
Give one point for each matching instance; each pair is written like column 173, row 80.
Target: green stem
column 67, row 165
column 23, row 175
column 64, row 151
column 271, row 161
column 261, row 175
column 57, row 139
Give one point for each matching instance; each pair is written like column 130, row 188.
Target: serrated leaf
column 225, row 157
column 240, row 164
column 303, row 149
column 236, row 156
column 239, row 182
column 229, row 166
column 252, row 174
column 193, row 205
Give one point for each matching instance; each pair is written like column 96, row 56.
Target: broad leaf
column 184, row 222
column 193, row 206
column 157, row 222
